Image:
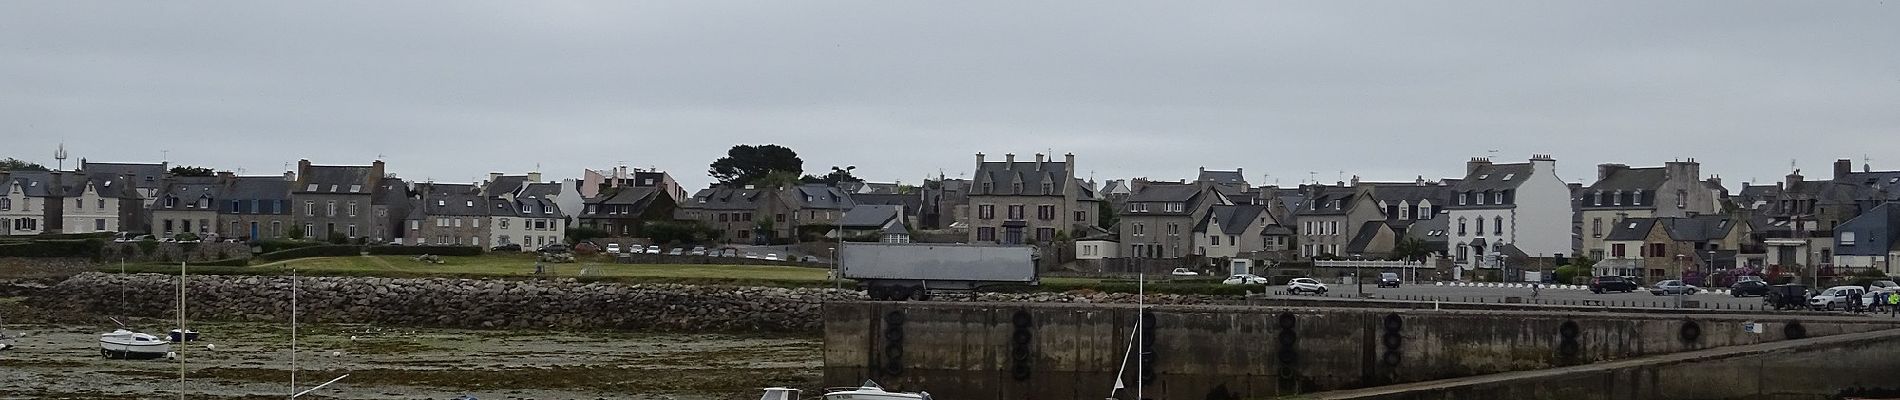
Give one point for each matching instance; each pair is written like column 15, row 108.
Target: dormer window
column 1048, row 188
column 1498, row 198
column 1617, row 198
column 1462, row 196
column 356, row 188
column 1636, row 199
column 1016, row 188
column 1599, row 198
column 525, row 208
column 988, row 187
column 468, row 203
column 1481, row 196
column 441, row 203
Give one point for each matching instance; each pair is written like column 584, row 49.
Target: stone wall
column 479, row 303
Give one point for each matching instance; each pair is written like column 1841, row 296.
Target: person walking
column 1893, row 302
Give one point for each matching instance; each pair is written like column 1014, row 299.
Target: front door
column 254, row 232
column 1013, row 235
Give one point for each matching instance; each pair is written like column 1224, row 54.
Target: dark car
column 1748, row 288
column 1611, row 284
column 1388, row 279
column 507, row 247
column 554, row 248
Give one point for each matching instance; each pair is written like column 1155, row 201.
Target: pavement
column 1545, row 294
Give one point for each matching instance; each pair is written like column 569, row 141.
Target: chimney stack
column 1793, row 179
column 1605, row 170
column 1842, row 167
column 1471, row 167
column 494, row 176
column 1009, row 161
column 534, row 177
column 979, row 159
column 1038, row 161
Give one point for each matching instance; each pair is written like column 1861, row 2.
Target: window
column 1461, row 230
column 1599, row 198
column 1016, row 211
column 1480, row 197
column 504, row 223
column 1462, row 197
column 1081, row 216
column 99, row 224
column 1045, row 234
column 1213, row 240
column 1497, row 226
column 1140, row 230
column 415, row 224
column 1174, row 207
column 1332, row 228
column 1498, row 197
column 475, row 222
column 986, row 233
column 1174, row 229
column 352, row 210
column 1046, row 212
column 1596, row 227
column 723, row 217
column 6, row 204
column 1617, row 199
column 102, row 204
column 309, row 208
column 1616, row 250
column 1509, row 176
column 986, row 211
column 352, row 230
column 1658, row 250
column 330, row 208
column 457, row 222
column 309, row 230
column 79, row 204
column 277, row 228
column 1682, row 199
column 1847, row 238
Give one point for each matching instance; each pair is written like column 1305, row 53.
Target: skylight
column 1508, row 176
column 1632, row 225
column 1481, row 177
column 312, row 188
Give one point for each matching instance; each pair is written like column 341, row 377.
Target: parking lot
column 1546, row 294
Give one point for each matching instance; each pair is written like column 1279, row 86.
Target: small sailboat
column 871, row 391
column 780, row 393
column 127, row 344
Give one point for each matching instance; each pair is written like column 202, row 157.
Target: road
column 1545, row 295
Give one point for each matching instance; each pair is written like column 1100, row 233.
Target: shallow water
column 253, row 361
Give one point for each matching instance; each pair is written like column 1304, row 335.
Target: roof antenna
column 60, row 154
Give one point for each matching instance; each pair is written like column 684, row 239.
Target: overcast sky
column 1388, row 90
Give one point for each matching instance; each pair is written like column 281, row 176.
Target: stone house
column 1505, row 209
column 594, row 183
column 29, row 202
column 336, row 201
column 623, row 211
column 1871, row 240
column 1671, row 248
column 527, row 214
column 255, row 207
column 1160, row 218
column 36, row 202
column 449, row 214
column 1329, row 217
column 1230, row 231
column 1027, row 202
column 1673, row 190
column 186, row 204
column 144, row 178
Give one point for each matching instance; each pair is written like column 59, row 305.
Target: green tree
column 582, row 234
column 1105, row 215
column 12, row 164
column 1410, row 249
column 185, row 170
column 745, row 163
column 295, row 233
column 776, row 180
column 837, row 175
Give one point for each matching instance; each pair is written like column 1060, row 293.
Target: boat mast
column 1141, row 324
column 181, row 330
column 293, row 333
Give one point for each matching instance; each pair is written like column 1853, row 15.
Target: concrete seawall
column 1042, row 351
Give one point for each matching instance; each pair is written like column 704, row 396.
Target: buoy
column 352, row 338
column 171, row 355
column 336, row 354
column 209, row 346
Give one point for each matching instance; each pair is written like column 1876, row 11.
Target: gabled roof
column 1367, row 232
column 1393, row 193
column 817, row 196
column 188, row 189
column 1701, row 228
column 145, row 176
column 1083, row 190
column 257, row 188
column 33, row 183
column 337, row 179
column 1631, row 229
column 1646, row 178
column 910, row 202
column 723, row 198
column 625, row 195
column 1165, row 192
column 523, row 207
column 1003, row 175
column 443, row 199
column 871, row 216
column 1493, row 177
column 1222, row 177
column 1327, row 200
column 1435, row 230
column 1233, row 220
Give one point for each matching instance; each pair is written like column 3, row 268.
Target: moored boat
column 871, row 391
column 132, row 345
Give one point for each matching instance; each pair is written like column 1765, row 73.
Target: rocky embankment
column 480, row 303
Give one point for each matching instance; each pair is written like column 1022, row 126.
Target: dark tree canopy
column 185, row 170
column 837, row 175
column 12, row 164
column 745, row 163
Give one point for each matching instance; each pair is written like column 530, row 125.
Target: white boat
column 779, row 393
column 871, row 391
column 186, row 336
column 132, row 345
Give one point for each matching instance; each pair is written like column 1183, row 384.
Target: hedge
column 312, row 251
column 233, row 262
column 273, row 246
column 88, row 248
column 1216, row 289
column 62, row 236
column 420, row 250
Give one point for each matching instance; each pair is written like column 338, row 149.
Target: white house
column 1500, row 211
column 1097, row 248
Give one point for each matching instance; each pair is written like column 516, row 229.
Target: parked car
column 554, row 248
column 1245, row 279
column 677, row 251
column 1184, row 272
column 655, row 249
column 751, row 255
column 1749, row 288
column 729, row 253
column 1673, row 287
column 1883, row 285
column 808, row 259
column 1305, row 285
column 1836, row 297
column 1388, row 279
column 1602, row 284
column 771, row 256
column 507, row 247
column 613, row 248
column 698, row 251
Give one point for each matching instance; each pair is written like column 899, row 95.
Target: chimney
column 1605, row 170
column 1069, row 160
column 1793, row 180
column 494, row 176
column 1009, row 161
column 1203, row 170
column 1242, row 172
column 1687, row 171
column 1038, row 161
column 290, row 176
column 1420, row 181
column 534, row 177
column 303, row 166
column 1471, row 167
column 1355, row 180
column 376, row 173
column 1842, row 167
column 979, row 159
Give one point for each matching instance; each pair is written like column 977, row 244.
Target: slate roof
column 1492, row 177
column 145, row 176
column 722, row 198
column 1367, row 232
column 445, row 199
column 1222, row 177
column 1165, row 192
column 1233, row 220
column 1411, row 193
column 272, row 189
column 394, row 191
column 1327, row 200
column 817, row 196
column 188, row 189
column 1629, row 229
column 536, row 208
column 1646, row 178
column 870, row 216
column 910, row 202
column 34, row 183
column 1115, row 186
column 1699, row 228
column 336, row 179
column 1083, row 191
column 1002, row 175
column 68, row 183
column 1435, row 232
